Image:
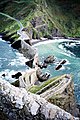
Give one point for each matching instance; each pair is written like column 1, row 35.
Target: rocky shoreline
column 69, row 105
column 18, row 104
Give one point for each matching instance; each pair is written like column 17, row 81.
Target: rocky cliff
column 18, row 104
column 41, row 18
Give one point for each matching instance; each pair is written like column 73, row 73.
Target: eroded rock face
column 62, row 94
column 27, row 50
column 18, row 104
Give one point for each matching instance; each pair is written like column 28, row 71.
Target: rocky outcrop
column 49, row 59
column 63, row 95
column 18, row 104
column 62, row 62
column 59, row 91
column 42, row 77
column 17, row 75
column 27, row 50
column 28, row 79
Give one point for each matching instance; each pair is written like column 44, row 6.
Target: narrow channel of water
column 63, row 49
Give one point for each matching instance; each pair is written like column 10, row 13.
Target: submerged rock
column 18, row 104
column 49, row 59
column 42, row 77
column 63, row 62
column 58, row 67
column 41, row 66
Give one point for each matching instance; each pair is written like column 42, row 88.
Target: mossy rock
column 36, row 88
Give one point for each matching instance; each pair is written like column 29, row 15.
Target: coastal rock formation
column 17, row 75
column 28, row 79
column 63, row 95
column 49, row 59
column 42, row 77
column 62, row 62
column 58, row 67
column 27, row 50
column 30, row 63
column 18, row 104
column 59, row 91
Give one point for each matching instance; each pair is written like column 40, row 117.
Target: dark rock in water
column 39, row 65
column 42, row 77
column 58, row 67
column 49, row 59
column 30, row 63
column 63, row 62
column 44, row 65
column 17, row 75
column 16, row 44
column 3, row 75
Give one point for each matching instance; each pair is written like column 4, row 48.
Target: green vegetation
column 52, row 81
column 63, row 15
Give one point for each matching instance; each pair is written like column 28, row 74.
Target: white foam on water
column 8, row 73
column 51, row 41
column 2, row 40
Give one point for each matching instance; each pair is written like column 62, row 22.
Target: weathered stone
column 58, row 67
column 49, row 59
column 62, row 62
column 28, row 79
column 27, row 50
column 18, row 104
column 30, row 63
column 17, row 75
column 61, row 92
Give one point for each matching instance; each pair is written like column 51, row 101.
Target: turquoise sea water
column 11, row 61
column 63, row 49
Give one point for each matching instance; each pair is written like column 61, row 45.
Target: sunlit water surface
column 63, row 49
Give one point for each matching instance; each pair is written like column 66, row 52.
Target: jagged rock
column 18, row 104
column 62, row 62
column 58, row 67
column 42, row 77
column 49, row 59
column 16, row 44
column 44, row 65
column 3, row 75
column 28, row 79
column 27, row 50
column 17, row 75
column 30, row 63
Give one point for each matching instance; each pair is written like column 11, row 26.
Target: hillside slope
column 49, row 16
